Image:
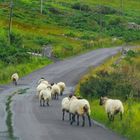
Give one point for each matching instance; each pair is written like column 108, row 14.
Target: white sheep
column 79, row 107
column 45, row 96
column 14, row 78
column 55, row 91
column 65, row 107
column 62, row 87
column 40, row 87
column 42, row 80
column 112, row 107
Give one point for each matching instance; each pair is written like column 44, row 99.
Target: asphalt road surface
column 32, row 122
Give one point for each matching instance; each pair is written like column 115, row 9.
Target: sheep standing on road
column 112, row 107
column 45, row 96
column 62, row 87
column 65, row 107
column 15, row 78
column 41, row 86
column 79, row 107
column 42, row 80
column 55, row 91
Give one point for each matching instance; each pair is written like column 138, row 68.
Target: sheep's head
column 71, row 97
column 49, row 87
column 103, row 100
column 53, row 84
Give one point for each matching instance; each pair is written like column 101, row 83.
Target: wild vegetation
column 69, row 27
column 118, row 80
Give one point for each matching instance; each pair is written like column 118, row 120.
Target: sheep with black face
column 112, row 107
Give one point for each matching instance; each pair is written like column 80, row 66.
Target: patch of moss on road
column 10, row 114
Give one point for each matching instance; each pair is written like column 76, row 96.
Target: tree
column 41, row 6
column 122, row 6
column 10, row 20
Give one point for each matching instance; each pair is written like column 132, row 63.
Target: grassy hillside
column 117, row 81
column 72, row 23
column 70, row 27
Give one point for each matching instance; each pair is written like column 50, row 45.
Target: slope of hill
column 70, row 27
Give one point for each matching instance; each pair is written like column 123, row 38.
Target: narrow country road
column 32, row 122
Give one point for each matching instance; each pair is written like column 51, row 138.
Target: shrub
column 117, row 21
column 71, row 34
column 16, row 39
column 106, row 10
column 13, row 55
column 82, row 7
column 42, row 40
column 105, row 84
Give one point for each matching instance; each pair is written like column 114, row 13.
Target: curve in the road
column 32, row 122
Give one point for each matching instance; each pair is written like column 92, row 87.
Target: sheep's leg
column 16, row 83
column 43, row 102
column 40, row 103
column 63, row 114
column 47, row 102
column 83, row 120
column 112, row 117
column 77, row 119
column 61, row 93
column 89, row 120
column 57, row 96
column 69, row 116
column 109, row 116
column 53, row 96
column 73, row 116
column 121, row 115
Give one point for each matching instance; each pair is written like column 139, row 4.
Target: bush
column 16, row 39
column 42, row 40
column 71, row 34
column 106, row 10
column 105, row 84
column 117, row 21
column 12, row 55
column 82, row 7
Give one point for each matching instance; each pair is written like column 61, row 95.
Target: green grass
column 127, row 127
column 59, row 18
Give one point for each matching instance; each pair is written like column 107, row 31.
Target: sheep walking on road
column 62, row 87
column 79, row 107
column 45, row 96
column 112, row 107
column 65, row 107
column 15, row 78
column 55, row 91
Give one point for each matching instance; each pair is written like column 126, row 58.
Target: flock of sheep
column 75, row 106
